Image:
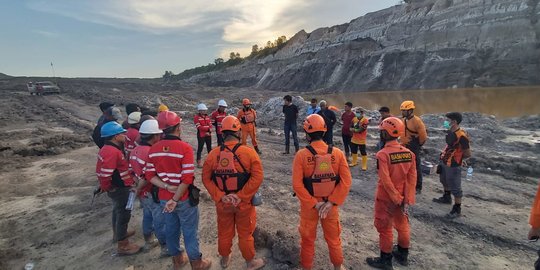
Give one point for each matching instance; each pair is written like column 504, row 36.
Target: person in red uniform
column 153, row 220
column 321, row 182
column 112, row 170
column 396, row 190
column 346, row 133
column 216, row 117
column 232, row 174
column 203, row 124
column 170, row 167
column 132, row 134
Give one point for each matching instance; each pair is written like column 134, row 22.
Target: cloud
column 46, row 33
column 240, row 23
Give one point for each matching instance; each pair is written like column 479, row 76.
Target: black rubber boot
column 401, row 255
column 286, row 150
column 383, row 262
column 257, row 150
column 456, row 211
column 445, row 199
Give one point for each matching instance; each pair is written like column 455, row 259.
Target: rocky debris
column 531, row 122
column 421, row 45
column 284, row 246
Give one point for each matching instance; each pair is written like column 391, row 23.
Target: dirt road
column 48, row 176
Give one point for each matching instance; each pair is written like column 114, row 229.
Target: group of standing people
column 147, row 157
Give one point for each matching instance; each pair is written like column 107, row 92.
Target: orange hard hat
column 394, row 126
column 407, row 105
column 314, row 123
column 167, row 119
column 246, row 101
column 230, row 123
column 333, row 108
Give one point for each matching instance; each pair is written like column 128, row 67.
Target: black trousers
column 120, row 216
column 200, row 144
column 419, row 177
column 328, row 137
column 347, row 144
column 219, row 139
column 355, row 147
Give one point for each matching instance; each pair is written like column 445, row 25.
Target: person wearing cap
column 330, row 119
column 385, row 113
column 112, row 170
column 203, row 124
column 452, row 158
column 171, row 168
column 248, row 119
column 395, row 193
column 112, row 113
column 321, row 180
column 162, row 108
column 130, row 108
column 216, row 117
column 153, row 221
column 132, row 134
column 232, row 174
column 415, row 137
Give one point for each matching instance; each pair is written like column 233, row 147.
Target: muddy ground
column 47, row 174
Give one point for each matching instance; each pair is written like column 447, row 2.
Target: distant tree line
column 257, row 51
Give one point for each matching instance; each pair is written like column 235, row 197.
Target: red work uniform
column 112, row 168
column 132, row 135
column 137, row 161
column 203, row 124
column 303, row 167
column 243, row 216
column 172, row 160
column 396, row 186
column 216, row 118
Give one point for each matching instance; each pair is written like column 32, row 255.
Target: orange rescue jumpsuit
column 397, row 182
column 243, row 216
column 247, row 119
column 534, row 220
column 303, row 166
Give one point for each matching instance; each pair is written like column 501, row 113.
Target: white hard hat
column 201, row 107
column 134, row 117
column 222, row 103
column 150, row 126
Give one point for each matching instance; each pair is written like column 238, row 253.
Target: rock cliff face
column 423, row 44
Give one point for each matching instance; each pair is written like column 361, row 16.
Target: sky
column 144, row 38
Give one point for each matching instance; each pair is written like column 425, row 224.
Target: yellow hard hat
column 162, row 108
column 407, row 105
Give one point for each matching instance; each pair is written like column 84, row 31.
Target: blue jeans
column 288, row 128
column 184, row 219
column 153, row 219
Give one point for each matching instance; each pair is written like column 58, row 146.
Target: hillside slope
column 425, row 44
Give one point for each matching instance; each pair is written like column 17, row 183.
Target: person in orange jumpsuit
column 248, row 118
column 232, row 174
column 414, row 138
column 534, row 221
column 321, row 180
column 395, row 192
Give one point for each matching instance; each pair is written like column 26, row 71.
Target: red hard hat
column 394, row 126
column 168, row 119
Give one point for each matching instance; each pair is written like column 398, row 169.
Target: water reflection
column 503, row 102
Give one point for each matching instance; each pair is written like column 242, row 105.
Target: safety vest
column 323, row 181
column 225, row 175
column 249, row 116
column 453, row 154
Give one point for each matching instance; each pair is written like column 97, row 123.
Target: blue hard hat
column 111, row 128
